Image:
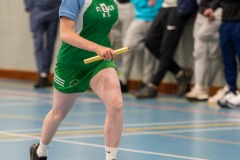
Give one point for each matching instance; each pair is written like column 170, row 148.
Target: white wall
column 16, row 45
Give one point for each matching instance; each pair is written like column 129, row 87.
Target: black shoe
column 149, row 91
column 124, row 88
column 183, row 81
column 142, row 85
column 33, row 153
column 42, row 83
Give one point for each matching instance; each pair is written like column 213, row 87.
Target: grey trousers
column 135, row 41
column 207, row 57
column 126, row 15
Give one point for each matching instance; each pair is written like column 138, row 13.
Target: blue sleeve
column 71, row 8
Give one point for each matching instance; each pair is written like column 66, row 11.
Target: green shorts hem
column 80, row 84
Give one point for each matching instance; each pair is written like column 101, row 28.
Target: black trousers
column 162, row 40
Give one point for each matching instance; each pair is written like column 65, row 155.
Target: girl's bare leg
column 106, row 85
column 62, row 104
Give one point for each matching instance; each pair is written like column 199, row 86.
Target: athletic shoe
column 183, row 80
column 219, row 94
column 42, row 83
column 33, row 153
column 148, row 91
column 224, row 101
column 142, row 85
column 124, row 88
column 234, row 102
column 197, row 94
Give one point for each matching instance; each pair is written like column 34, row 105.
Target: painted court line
column 103, row 146
column 131, row 150
column 87, row 126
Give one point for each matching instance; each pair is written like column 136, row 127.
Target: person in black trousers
column 162, row 41
column 44, row 22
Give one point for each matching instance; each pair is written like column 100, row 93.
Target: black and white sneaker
column 33, row 153
column 224, row 102
column 234, row 102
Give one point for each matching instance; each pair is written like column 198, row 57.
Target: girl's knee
column 115, row 105
column 58, row 115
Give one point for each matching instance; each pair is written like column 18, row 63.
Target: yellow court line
column 41, row 119
column 198, row 138
column 142, row 129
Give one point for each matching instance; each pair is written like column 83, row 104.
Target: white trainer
column 219, row 94
column 197, row 94
column 234, row 102
column 223, row 102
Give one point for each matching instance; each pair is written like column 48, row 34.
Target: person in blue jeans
column 44, row 22
column 230, row 46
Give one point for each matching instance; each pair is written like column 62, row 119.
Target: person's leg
column 106, row 85
column 215, row 61
column 171, row 37
column 150, row 62
column 52, row 29
column 236, row 39
column 38, row 35
column 228, row 55
column 126, row 15
column 168, row 44
column 134, row 40
column 200, row 53
column 210, row 34
column 155, row 32
column 62, row 104
column 38, row 46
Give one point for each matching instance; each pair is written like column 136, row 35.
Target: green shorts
column 73, row 79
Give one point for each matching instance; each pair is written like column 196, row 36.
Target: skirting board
column 168, row 88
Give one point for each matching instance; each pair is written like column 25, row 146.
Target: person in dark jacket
column 44, row 25
column 162, row 40
column 230, row 45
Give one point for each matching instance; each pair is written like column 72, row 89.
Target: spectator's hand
column 209, row 13
column 105, row 53
column 151, row 2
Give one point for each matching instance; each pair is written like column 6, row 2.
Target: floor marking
column 130, row 150
column 103, row 146
column 92, row 126
column 199, row 138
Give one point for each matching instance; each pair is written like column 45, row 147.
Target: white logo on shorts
column 73, row 83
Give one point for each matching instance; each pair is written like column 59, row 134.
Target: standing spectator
column 44, row 22
column 229, row 41
column 126, row 15
column 162, row 40
column 145, row 11
column 207, row 56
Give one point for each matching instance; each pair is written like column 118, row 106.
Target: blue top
column 144, row 12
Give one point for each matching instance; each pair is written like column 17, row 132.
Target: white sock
column 42, row 150
column 111, row 153
column 43, row 75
